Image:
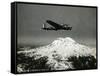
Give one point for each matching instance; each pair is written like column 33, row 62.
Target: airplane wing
column 54, row 24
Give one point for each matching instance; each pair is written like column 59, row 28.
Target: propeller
column 65, row 25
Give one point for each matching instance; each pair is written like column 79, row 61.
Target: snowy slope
column 59, row 51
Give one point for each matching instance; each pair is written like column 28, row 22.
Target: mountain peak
column 69, row 39
column 66, row 40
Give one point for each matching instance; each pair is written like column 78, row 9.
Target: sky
column 30, row 19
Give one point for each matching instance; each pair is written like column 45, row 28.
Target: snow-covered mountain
column 58, row 53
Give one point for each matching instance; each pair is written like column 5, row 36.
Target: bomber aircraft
column 55, row 26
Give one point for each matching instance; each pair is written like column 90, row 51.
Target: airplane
column 56, row 26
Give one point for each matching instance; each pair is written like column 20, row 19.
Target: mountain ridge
column 63, row 44
column 59, row 52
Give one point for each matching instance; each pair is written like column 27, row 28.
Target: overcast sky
column 31, row 18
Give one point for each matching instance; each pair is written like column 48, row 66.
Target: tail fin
column 44, row 26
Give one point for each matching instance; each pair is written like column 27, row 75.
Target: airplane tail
column 44, row 26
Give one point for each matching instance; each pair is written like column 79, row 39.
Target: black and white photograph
column 53, row 37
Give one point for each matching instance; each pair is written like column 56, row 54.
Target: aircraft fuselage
column 56, row 26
